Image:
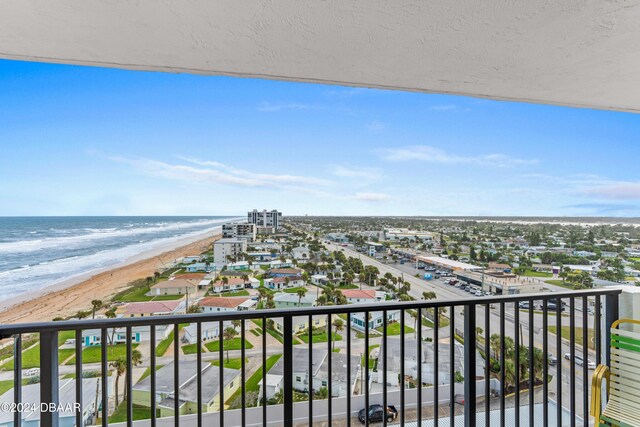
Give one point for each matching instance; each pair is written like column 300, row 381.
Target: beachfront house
column 199, row 267
column 300, row 323
column 209, row 331
column 363, row 296
column 376, row 319
column 284, row 272
column 300, row 253
column 283, row 282
column 340, row 385
column 188, row 390
column 288, row 300
column 222, row 304
column 93, row 337
column 66, row 399
column 173, row 287
column 151, row 308
column 231, row 284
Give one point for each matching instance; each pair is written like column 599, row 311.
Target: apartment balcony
column 438, row 372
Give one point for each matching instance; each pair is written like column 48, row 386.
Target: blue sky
column 93, row 141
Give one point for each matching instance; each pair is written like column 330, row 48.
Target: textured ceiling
column 568, row 52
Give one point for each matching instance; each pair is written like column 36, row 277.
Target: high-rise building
column 239, row 230
column 265, row 219
column 224, row 249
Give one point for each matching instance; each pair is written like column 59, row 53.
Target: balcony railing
column 506, row 379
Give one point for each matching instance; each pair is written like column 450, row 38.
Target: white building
column 375, row 320
column 271, row 220
column 224, row 249
column 239, row 230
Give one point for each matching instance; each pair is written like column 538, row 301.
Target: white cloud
column 270, row 178
column 375, row 127
column 212, row 172
column 346, row 171
column 613, row 190
column 448, row 107
column 431, row 154
column 269, row 107
column 372, row 197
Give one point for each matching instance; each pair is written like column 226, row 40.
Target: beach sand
column 71, row 296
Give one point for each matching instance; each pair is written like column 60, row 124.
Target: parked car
column 552, row 359
column 479, row 293
column 579, row 361
column 377, row 413
column 524, row 305
column 32, row 372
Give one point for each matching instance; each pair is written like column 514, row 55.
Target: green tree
column 96, row 304
column 229, row 334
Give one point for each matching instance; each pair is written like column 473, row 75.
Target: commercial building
column 225, row 249
column 239, row 230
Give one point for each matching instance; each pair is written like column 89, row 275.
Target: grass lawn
column 531, row 273
column 31, row 357
column 233, row 344
column 294, row 290
column 276, row 335
column 394, row 329
column 162, row 348
column 252, row 384
column 242, row 293
column 320, row 336
column 233, row 363
column 257, row 331
column 120, row 414
column 566, row 331
column 137, row 294
column 352, row 286
column 93, row 354
column 147, row 372
column 190, row 349
column 558, row 282
column 372, row 362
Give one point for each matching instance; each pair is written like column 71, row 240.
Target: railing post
column 469, row 366
column 49, row 387
column 610, row 316
column 288, row 370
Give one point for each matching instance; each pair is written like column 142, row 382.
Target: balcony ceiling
column 582, row 53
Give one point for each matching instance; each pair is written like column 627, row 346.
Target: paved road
column 447, row 292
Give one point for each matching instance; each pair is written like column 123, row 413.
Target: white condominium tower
column 265, row 219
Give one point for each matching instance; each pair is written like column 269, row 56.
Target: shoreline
column 71, row 295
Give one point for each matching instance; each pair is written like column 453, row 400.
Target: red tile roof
column 190, row 276
column 226, row 302
column 282, row 279
column 232, row 281
column 359, row 294
column 150, row 307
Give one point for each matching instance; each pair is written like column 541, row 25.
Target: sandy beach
column 67, row 298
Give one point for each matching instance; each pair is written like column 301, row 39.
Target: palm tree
column 96, row 304
column 229, row 334
column 156, row 276
column 301, row 292
column 120, row 367
column 339, row 325
column 194, row 309
column 148, row 280
column 414, row 315
column 494, row 344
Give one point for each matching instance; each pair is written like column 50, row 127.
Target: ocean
column 36, row 252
